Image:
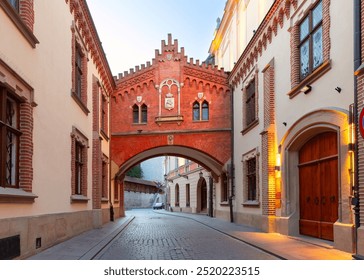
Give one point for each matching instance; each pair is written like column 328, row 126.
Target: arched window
column 135, row 114
column 205, row 111
column 196, row 111
column 144, row 110
column 200, row 111
column 140, row 114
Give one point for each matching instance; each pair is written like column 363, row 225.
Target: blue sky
column 131, row 30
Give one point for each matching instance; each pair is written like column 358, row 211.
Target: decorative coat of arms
column 169, row 101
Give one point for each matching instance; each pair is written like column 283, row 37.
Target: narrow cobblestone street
column 153, row 236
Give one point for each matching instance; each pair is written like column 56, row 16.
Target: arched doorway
column 318, row 185
column 202, row 196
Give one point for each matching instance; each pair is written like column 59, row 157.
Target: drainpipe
column 232, row 169
column 357, row 64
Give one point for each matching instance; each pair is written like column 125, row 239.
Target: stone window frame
column 140, row 109
column 79, row 71
column 252, row 155
column 251, row 78
column 79, row 140
column 297, row 84
column 200, row 107
column 20, row 90
column 104, row 114
column 23, row 19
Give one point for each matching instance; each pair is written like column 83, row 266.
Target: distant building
column 139, row 193
column 153, row 169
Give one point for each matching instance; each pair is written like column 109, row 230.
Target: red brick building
column 171, row 106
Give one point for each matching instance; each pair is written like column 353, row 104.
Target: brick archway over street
column 171, row 106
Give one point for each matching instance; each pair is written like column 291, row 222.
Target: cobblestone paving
column 153, row 236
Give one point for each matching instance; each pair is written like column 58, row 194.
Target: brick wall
column 269, row 148
column 26, row 147
column 141, row 86
column 26, row 12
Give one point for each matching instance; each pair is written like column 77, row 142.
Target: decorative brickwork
column 169, row 86
column 26, row 147
column 295, row 51
column 269, row 144
column 26, row 12
column 360, row 144
column 96, row 147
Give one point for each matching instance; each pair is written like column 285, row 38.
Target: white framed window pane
column 317, row 48
column 304, row 59
column 304, row 29
column 317, row 15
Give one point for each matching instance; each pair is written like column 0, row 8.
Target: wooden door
column 318, row 178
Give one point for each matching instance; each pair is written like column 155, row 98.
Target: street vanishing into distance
column 156, row 235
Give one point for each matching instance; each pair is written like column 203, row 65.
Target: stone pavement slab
column 282, row 246
column 86, row 245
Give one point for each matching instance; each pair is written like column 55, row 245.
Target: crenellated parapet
column 172, row 61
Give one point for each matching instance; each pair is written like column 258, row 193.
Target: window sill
column 79, row 198
column 139, row 124
column 12, row 195
column 250, row 126
column 169, row 119
column 224, row 203
column 104, row 200
column 80, row 103
column 325, row 66
column 199, row 121
column 251, row 203
column 19, row 23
